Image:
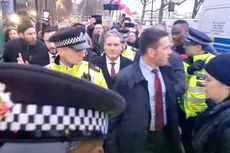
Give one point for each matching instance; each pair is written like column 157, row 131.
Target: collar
column 224, row 104
column 26, row 43
column 146, row 68
column 136, row 70
column 58, row 61
column 108, row 61
column 51, row 55
column 219, row 111
column 64, row 65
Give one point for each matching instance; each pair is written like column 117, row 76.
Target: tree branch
column 148, row 3
column 199, row 5
column 156, row 10
column 179, row 3
column 143, row 2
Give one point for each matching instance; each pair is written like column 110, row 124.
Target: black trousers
column 187, row 128
column 157, row 142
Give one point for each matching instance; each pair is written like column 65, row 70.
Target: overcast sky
column 135, row 5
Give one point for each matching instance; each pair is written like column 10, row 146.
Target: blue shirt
column 150, row 78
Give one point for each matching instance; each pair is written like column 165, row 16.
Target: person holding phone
column 124, row 21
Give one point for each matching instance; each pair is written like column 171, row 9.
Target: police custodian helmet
column 44, row 111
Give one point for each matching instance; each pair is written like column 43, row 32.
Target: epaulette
column 94, row 67
column 134, row 49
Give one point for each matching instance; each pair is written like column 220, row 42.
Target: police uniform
column 194, row 98
column 44, row 111
column 129, row 51
column 74, row 37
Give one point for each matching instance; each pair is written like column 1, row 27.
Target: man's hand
column 21, row 61
column 196, row 66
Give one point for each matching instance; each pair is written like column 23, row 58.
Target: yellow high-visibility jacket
column 194, row 98
column 84, row 70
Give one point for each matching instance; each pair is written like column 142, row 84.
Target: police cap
column 41, row 105
column 197, row 37
column 72, row 37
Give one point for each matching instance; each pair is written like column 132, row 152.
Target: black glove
column 196, row 66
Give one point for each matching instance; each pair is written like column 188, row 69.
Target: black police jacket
column 212, row 130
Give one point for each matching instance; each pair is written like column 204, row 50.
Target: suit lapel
column 166, row 72
column 121, row 62
column 106, row 71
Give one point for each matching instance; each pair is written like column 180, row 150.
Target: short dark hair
column 8, row 30
column 181, row 22
column 74, row 24
column 150, row 38
column 49, row 29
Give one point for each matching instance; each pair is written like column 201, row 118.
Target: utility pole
column 15, row 5
column 36, row 7
column 46, row 4
column 83, row 8
column 152, row 14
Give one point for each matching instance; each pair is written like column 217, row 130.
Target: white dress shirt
column 51, row 57
column 116, row 66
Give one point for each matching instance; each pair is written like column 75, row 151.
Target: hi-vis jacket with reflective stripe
column 195, row 97
column 81, row 71
column 129, row 53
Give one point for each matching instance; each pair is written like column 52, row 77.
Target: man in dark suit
column 176, row 61
column 112, row 61
column 150, row 122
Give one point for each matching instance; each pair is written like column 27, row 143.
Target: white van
column 215, row 21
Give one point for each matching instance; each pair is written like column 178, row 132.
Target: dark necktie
column 53, row 57
column 159, row 110
column 113, row 70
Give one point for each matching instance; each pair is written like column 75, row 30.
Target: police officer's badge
column 5, row 102
column 86, row 76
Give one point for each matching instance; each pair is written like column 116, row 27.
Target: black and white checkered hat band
column 70, row 41
column 46, row 118
column 197, row 40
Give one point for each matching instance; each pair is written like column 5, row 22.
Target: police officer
column 71, row 45
column 63, row 115
column 193, row 102
column 127, row 51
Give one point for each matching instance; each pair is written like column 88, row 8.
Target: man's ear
column 21, row 35
column 151, row 52
column 199, row 47
column 60, row 51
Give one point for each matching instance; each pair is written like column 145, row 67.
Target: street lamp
column 152, row 14
column 59, row 4
column 33, row 13
column 14, row 18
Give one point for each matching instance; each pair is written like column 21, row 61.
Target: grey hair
column 112, row 33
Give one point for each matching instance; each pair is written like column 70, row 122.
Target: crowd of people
column 164, row 93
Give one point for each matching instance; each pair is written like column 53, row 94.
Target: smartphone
column 46, row 15
column 129, row 25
